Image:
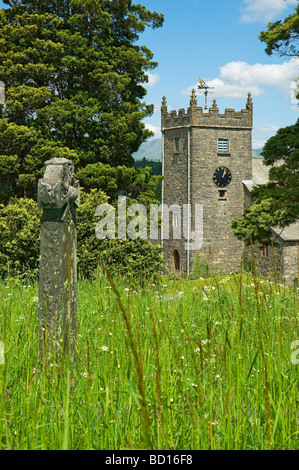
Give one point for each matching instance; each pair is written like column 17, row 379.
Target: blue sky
column 218, row 41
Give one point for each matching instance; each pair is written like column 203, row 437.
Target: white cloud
column 236, row 79
column 153, row 78
column 261, row 134
column 155, row 129
column 270, row 129
column 293, row 99
column 263, row 10
column 229, row 89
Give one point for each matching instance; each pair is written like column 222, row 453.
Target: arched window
column 176, row 260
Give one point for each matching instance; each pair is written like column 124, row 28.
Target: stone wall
column 291, row 261
column 282, row 262
column 175, row 189
column 270, row 266
column 220, row 246
column 195, row 115
column 220, row 249
column 247, row 198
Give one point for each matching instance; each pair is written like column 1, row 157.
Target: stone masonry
column 190, row 157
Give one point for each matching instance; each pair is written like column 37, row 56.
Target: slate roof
column 290, row 233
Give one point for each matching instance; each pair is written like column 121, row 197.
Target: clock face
column 222, row 176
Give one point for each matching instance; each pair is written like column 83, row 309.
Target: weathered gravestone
column 58, row 196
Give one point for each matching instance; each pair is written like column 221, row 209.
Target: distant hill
column 151, row 150
column 256, row 152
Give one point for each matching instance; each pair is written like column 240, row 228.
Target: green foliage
column 201, row 268
column 277, row 202
column 20, row 232
column 74, row 77
column 282, row 37
column 282, row 146
column 74, row 74
column 212, row 354
column 156, row 166
column 135, row 259
column 137, row 184
column 247, row 264
column 156, row 169
column 20, row 235
column 9, row 169
column 24, row 152
column 282, row 153
column 257, row 221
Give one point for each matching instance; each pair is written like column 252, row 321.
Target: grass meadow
column 203, row 364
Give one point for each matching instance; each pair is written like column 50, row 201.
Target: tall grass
column 186, row 365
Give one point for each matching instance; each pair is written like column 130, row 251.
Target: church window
column 222, row 194
column 176, row 260
column 222, row 145
column 177, row 145
column 264, row 251
column 175, row 219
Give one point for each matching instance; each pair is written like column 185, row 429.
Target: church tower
column 206, row 156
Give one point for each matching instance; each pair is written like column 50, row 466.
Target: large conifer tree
column 74, row 78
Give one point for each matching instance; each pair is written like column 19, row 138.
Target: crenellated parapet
column 177, row 119
column 196, row 116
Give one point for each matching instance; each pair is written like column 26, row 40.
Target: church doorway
column 176, row 261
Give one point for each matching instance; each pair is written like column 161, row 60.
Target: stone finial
column 193, row 108
column 249, row 107
column 164, row 105
column 214, row 104
column 58, row 196
column 193, row 100
column 249, row 104
column 163, row 112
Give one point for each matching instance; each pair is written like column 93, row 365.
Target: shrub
column 135, row 259
column 20, row 239
column 200, row 268
column 20, row 236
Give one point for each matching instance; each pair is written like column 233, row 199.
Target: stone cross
column 58, row 196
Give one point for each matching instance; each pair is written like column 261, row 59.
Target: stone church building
column 207, row 160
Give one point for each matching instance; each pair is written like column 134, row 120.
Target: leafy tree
column 137, row 184
column 282, row 37
column 74, row 80
column 23, row 152
column 257, row 221
column 282, row 153
column 277, row 202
